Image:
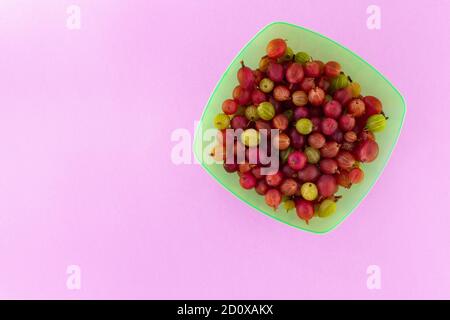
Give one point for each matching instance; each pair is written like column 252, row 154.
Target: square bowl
column 325, row 49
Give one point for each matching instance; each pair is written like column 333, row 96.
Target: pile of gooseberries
column 325, row 129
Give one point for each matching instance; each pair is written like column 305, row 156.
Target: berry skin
column 247, row 180
column 332, row 69
column 273, row 198
column 246, row 77
column 221, row 121
column 297, row 160
column 294, row 73
column 373, row 105
column 356, row 175
column 276, row 48
column 266, row 85
column 326, row 208
column 302, row 58
column 275, row 72
column 304, row 126
column 266, row 110
column 289, row 187
column 250, row 137
column 229, row 106
column 309, row 191
column 275, row 179
column 316, row 96
column 376, row 123
column 305, row 210
column 327, row 185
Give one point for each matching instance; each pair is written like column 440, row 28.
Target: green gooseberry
column 251, row 113
column 376, row 123
column 266, row 85
column 266, row 110
column 339, row 82
column 309, row 191
column 250, row 137
column 288, row 55
column 326, row 208
column 302, row 57
column 304, row 126
column 221, row 121
column 312, row 154
column 356, row 89
column 289, row 205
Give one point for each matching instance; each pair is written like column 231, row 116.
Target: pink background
column 86, row 176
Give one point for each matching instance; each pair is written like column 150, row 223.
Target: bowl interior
column 319, row 47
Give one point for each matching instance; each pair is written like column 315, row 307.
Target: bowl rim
column 217, row 86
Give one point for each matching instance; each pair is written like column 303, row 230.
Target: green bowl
column 325, row 49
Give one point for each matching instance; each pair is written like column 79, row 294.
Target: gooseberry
column 327, row 185
column 309, row 191
column 350, row 136
column 266, row 110
column 276, row 48
column 258, row 96
column 356, row 175
column 366, row 151
column 304, row 126
column 373, row 105
column 246, row 77
column 312, row 69
column 312, row 154
column 229, row 106
column 332, row 69
column 346, row 122
column 250, row 137
column 289, row 187
column 302, row 57
column 275, row 72
column 316, row 96
column 332, row 109
column 297, row 139
column 280, row 121
column 326, row 208
column 376, row 123
column 309, row 173
column 239, row 122
column 328, row 126
column 301, row 112
column 330, row 149
column 299, row 98
column 304, row 209
column 266, row 85
column 343, row 179
column 328, row 166
column 281, row 141
column 251, row 113
column 281, row 93
column 230, row 167
column 261, row 187
column 307, row 84
column 273, row 198
column 294, row 73
column 297, row 160
column 345, row 160
column 316, row 140
column 356, row 108
column 247, row 180
column 221, row 121
column 275, row 179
